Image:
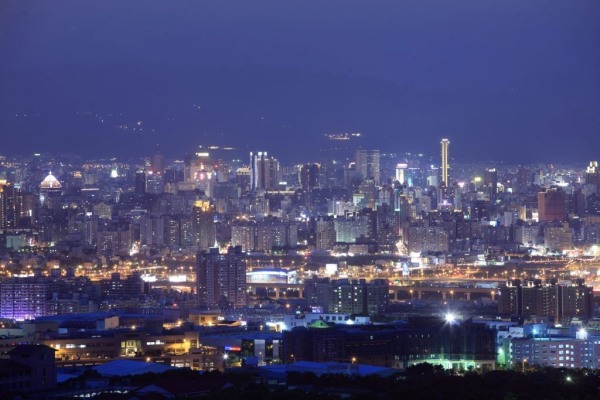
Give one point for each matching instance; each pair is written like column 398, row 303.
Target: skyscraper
column 140, row 182
column 592, row 174
column 12, row 209
column 368, row 164
column 221, row 278
column 309, row 176
column 445, row 167
column 490, row 180
column 552, row 205
column 203, row 222
column 400, row 172
column 264, row 171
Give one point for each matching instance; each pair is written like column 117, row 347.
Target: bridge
column 397, row 292
column 419, row 288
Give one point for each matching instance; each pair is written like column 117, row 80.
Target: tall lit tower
column 445, row 143
column 203, row 224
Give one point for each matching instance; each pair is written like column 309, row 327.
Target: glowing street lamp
column 450, row 318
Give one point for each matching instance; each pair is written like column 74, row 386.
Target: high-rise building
column 592, row 174
column 114, row 240
column 140, row 182
column 50, row 193
column 325, row 236
column 445, row 167
column 203, row 221
column 400, row 172
column 359, row 297
column 23, row 298
column 557, row 300
column 152, row 230
column 243, row 178
column 265, row 172
column 427, row 239
column 368, row 165
column 309, row 176
column 490, row 180
column 558, row 238
column 12, row 207
column 221, row 278
column 157, row 163
column 552, row 205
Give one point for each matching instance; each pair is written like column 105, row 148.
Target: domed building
column 50, row 182
column 50, row 192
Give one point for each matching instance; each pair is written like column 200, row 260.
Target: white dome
column 50, row 182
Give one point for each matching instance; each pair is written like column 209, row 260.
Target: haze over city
column 511, row 81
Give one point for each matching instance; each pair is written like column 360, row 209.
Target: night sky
column 511, row 80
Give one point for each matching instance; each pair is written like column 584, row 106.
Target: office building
column 203, row 222
column 455, row 344
column 427, row 239
column 555, row 351
column 265, row 172
column 12, row 207
column 552, row 205
column 140, row 182
column 445, row 167
column 368, row 165
column 50, row 193
column 401, row 173
column 309, row 176
column 558, row 238
column 592, row 174
column 490, row 180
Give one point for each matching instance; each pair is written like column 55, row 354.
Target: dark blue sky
column 509, row 80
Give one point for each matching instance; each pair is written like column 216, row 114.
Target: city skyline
column 391, row 199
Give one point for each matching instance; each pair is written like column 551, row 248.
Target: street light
column 450, row 318
column 523, row 365
column 353, row 360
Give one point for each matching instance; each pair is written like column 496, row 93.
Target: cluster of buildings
column 375, row 202
column 159, row 261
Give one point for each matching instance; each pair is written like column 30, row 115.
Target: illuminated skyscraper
column 309, row 176
column 400, row 172
column 490, row 180
column 264, row 171
column 368, row 164
column 592, row 174
column 12, row 208
column 203, row 222
column 445, row 144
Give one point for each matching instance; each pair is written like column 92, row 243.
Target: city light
column 450, row 317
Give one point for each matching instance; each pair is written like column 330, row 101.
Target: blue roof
column 122, row 367
column 329, row 368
